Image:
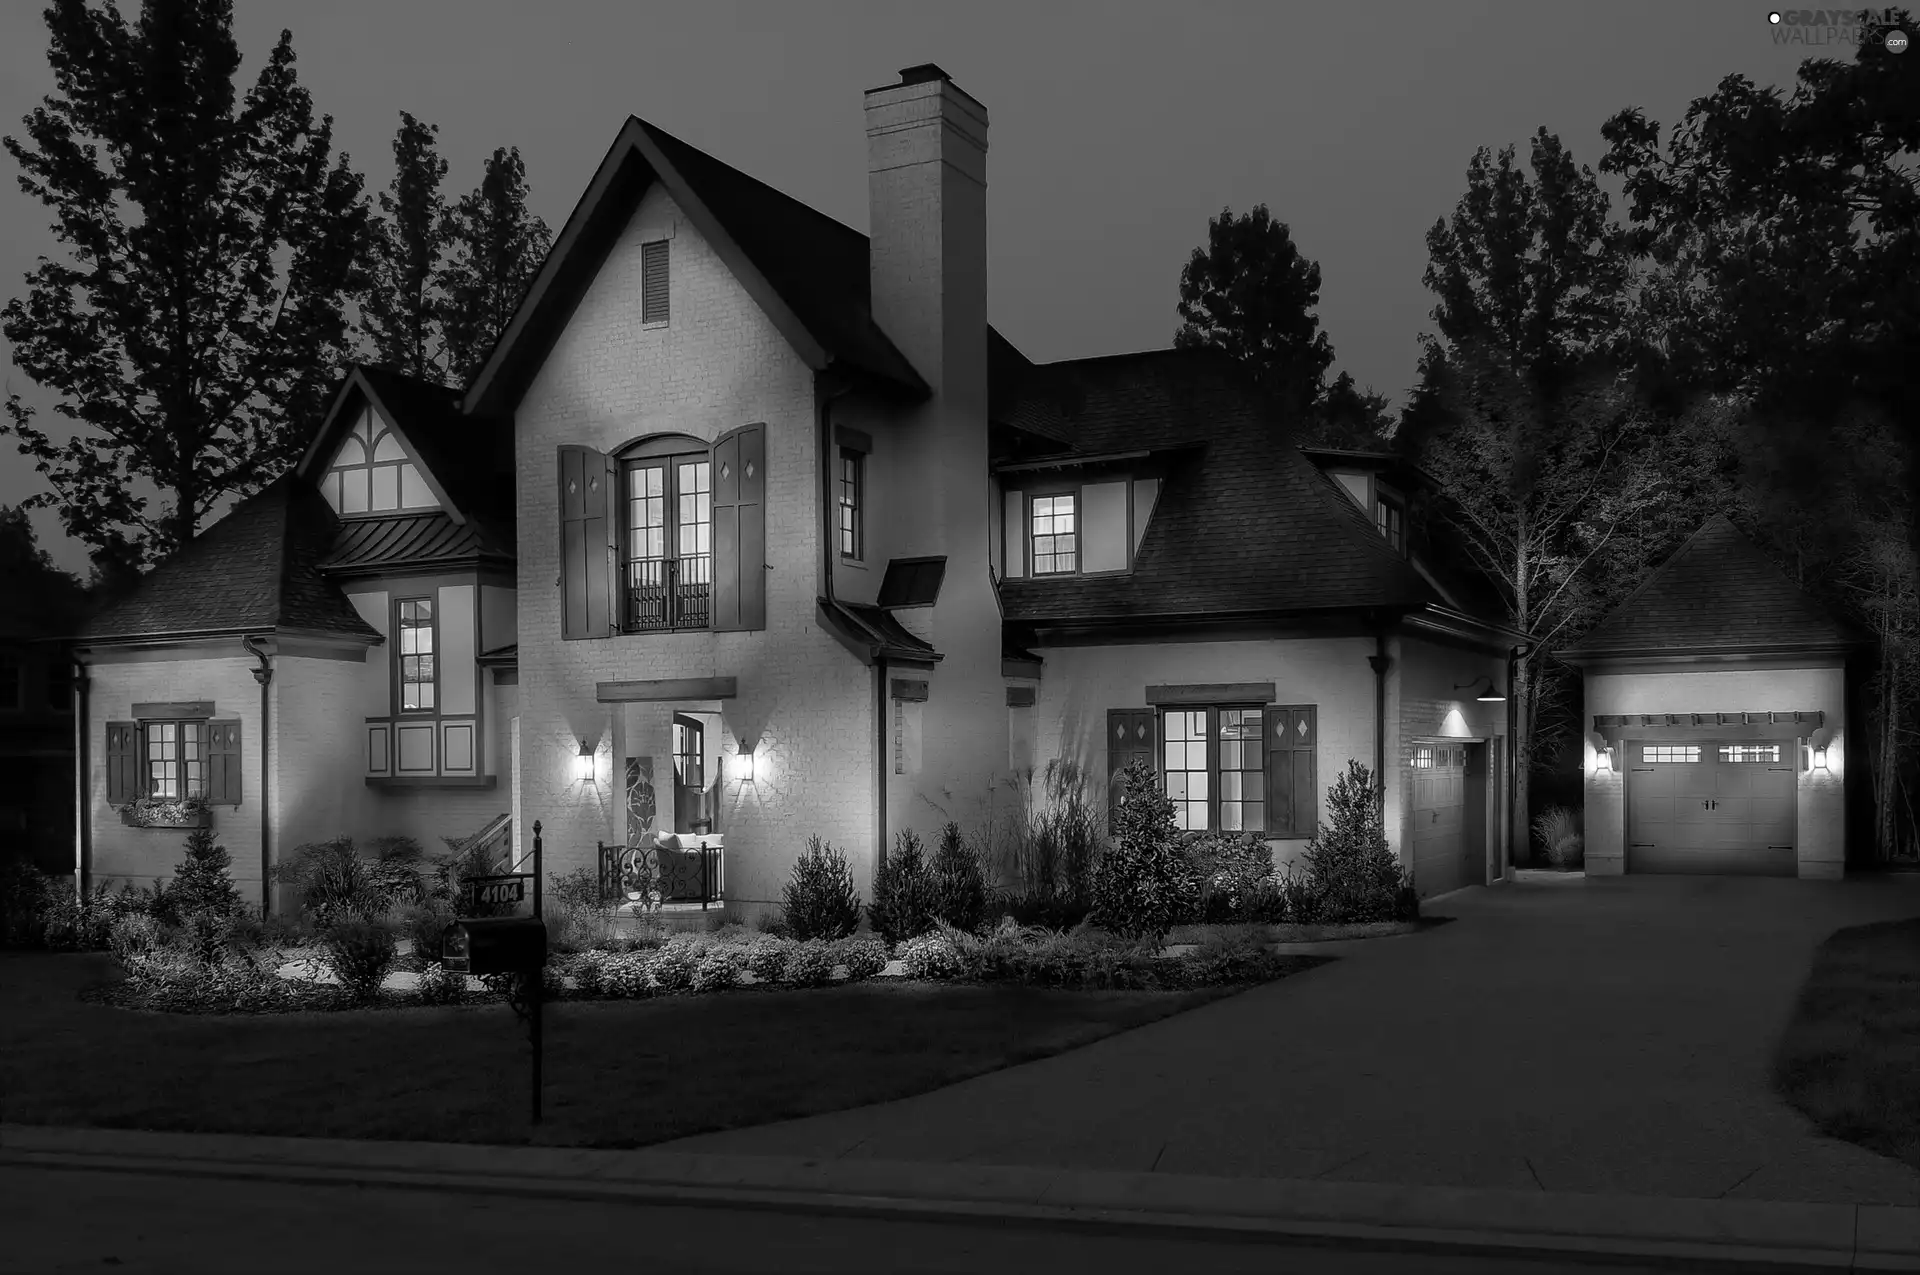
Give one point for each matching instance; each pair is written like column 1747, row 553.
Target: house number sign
column 494, row 891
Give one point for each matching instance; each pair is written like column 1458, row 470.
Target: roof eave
column 86, row 642
column 1582, row 658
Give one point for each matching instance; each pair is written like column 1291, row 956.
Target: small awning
column 874, row 635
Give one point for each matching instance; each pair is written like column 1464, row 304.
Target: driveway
column 1611, row 1035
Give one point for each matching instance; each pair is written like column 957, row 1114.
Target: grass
column 1849, row 1057
column 617, row 1073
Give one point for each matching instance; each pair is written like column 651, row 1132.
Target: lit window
column 176, row 754
column 668, row 553
column 1186, row 767
column 851, row 464
column 1750, row 753
column 1055, row 541
column 416, row 655
column 1669, row 753
column 1243, row 806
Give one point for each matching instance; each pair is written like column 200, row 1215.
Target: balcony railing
column 647, row 875
column 669, row 593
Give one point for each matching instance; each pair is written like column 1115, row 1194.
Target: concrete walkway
column 1610, row 1036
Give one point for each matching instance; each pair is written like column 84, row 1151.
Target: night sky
column 1117, row 128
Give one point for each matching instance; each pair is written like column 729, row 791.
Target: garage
column 1711, row 806
column 1439, row 819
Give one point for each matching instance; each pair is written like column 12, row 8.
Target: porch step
column 677, row 918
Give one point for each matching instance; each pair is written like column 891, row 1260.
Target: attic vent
column 653, row 282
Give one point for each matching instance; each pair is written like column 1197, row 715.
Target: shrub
column 671, row 968
column 426, row 925
column 202, row 881
column 361, row 951
column 1557, row 829
column 135, row 935
column 766, row 955
column 959, row 881
column 1141, row 884
column 1049, row 911
column 864, row 956
column 773, row 923
column 441, row 986
column 716, row 969
column 72, row 924
column 578, row 918
column 626, row 974
column 1055, row 851
column 932, row 955
column 1351, row 872
column 809, row 963
column 1230, row 874
column 165, row 981
column 819, row 900
column 903, row 892
column 1227, row 957
column 332, row 882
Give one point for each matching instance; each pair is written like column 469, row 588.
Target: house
column 1717, row 693
column 321, row 661
column 798, row 545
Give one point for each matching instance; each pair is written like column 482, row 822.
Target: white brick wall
column 804, row 700
column 1822, row 817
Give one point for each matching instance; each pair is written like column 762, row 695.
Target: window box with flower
column 157, row 812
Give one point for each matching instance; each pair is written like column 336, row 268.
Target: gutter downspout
column 1379, row 662
column 83, row 786
column 826, row 391
column 1506, row 816
column 263, row 675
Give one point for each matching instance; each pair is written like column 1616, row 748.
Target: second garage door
column 1712, row 806
column 1439, row 800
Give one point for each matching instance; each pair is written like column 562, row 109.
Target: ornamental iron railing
column 669, row 593
column 649, row 875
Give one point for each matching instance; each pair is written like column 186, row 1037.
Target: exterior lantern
column 744, row 763
column 1603, row 760
column 1820, row 757
column 583, row 765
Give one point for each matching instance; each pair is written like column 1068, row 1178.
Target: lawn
column 617, row 1073
column 1851, row 1055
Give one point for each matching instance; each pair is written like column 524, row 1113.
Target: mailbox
column 495, row 945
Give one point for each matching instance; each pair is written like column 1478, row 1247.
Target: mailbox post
column 514, row 946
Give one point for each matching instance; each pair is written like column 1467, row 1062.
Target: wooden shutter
column 1292, row 779
column 740, row 529
column 123, row 762
column 223, row 763
column 1131, row 733
column 587, row 531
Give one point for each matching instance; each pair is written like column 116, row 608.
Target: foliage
column 1348, row 416
column 1231, row 873
column 1251, row 294
column 959, row 880
column 819, row 899
column 1557, row 831
column 197, row 326
column 201, row 881
column 765, row 956
column 136, row 935
column 1351, row 872
column 495, row 248
column 1054, row 848
column 717, row 968
column 35, row 586
column 441, row 986
column 903, row 891
column 1049, row 911
column 361, row 951
column 166, row 982
column 773, row 923
column 332, row 880
column 808, row 964
column 672, row 967
column 863, row 955
column 425, row 924
column 578, row 917
column 163, row 812
column 26, row 894
column 404, row 313
column 1141, row 886
column 931, row 955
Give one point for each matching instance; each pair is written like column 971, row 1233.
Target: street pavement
column 1610, row 1035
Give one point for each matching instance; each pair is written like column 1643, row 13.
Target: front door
column 690, row 812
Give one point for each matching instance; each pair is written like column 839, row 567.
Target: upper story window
column 852, row 481
column 667, row 550
column 653, row 282
column 372, row 473
column 1389, row 515
column 417, row 681
column 1056, row 540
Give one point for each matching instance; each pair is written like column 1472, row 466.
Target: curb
column 1745, row 1234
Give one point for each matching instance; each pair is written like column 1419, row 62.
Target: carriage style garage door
column 1711, row 806
column 1439, row 802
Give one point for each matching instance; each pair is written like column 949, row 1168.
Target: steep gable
column 1717, row 593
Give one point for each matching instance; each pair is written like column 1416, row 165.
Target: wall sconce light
column 583, row 764
column 1487, row 696
column 1819, row 756
column 743, row 763
column 1603, row 760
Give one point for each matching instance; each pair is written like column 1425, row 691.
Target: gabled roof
column 251, row 572
column 807, row 272
column 1718, row 593
column 1243, row 525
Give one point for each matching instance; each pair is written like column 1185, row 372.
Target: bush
column 819, row 900
column 903, row 892
column 1049, row 911
column 671, row 968
column 1141, row 886
column 26, row 893
column 716, row 969
column 1557, row 830
column 361, row 951
column 1056, row 850
column 809, row 963
column 766, row 955
column 202, row 881
column 167, row 982
column 1351, row 872
column 331, row 882
column 626, row 974
column 425, row 924
column 578, row 918
column 932, row 955
column 1230, row 874
column 864, row 956
column 70, row 924
column 773, row 923
column 136, row 935
column 959, row 881
column 441, row 986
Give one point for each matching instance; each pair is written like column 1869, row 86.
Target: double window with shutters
column 1226, row 768
column 666, row 534
column 174, row 758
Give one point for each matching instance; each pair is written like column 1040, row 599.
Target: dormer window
column 1390, row 517
column 373, row 473
column 1056, row 541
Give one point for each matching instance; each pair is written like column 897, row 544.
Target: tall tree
column 1780, row 236
column 198, row 326
column 1250, row 293
column 1348, row 416
column 1540, row 450
column 496, row 247
column 35, row 587
column 404, row 313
